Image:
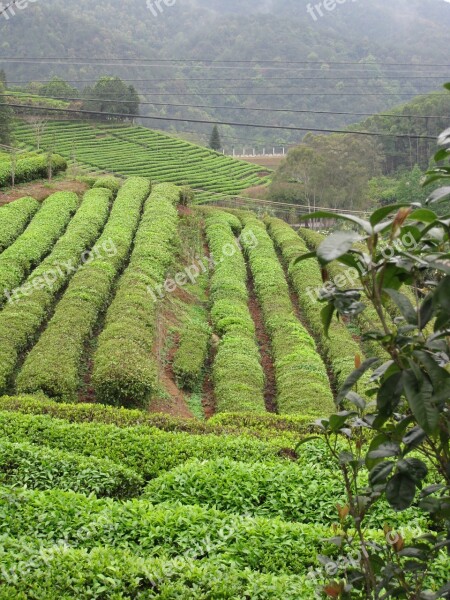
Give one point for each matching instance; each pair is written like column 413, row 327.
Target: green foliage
column 191, row 354
column 27, row 251
column 108, row 96
column 53, row 366
column 138, row 151
column 276, row 547
column 21, row 321
column 215, row 142
column 32, row 167
column 260, row 425
column 303, row 492
column 27, row 465
column 301, row 378
column 5, row 116
column 60, row 571
column 148, row 451
column 339, row 346
column 125, row 370
column 58, row 88
column 14, row 217
column 109, row 182
column 237, row 373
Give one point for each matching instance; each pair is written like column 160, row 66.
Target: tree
column 111, row 95
column 397, row 447
column 3, row 78
column 58, row 88
column 6, row 116
column 215, row 142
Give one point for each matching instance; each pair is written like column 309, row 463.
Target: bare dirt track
column 41, row 190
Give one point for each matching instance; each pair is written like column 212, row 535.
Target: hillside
column 103, row 147
column 409, row 32
column 125, row 297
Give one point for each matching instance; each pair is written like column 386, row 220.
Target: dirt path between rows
column 41, row 190
column 270, row 389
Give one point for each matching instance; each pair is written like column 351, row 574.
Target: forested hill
column 415, row 31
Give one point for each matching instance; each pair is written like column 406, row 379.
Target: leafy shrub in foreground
column 45, row 468
column 21, row 321
column 36, row 241
column 125, row 369
column 303, row 492
column 53, row 366
column 148, row 451
column 13, row 219
column 266, row 545
column 59, row 571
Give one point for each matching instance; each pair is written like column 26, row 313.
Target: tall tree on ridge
column 215, row 142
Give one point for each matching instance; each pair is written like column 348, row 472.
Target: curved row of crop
column 302, row 382
column 32, row 167
column 53, row 365
column 20, row 320
column 237, row 373
column 125, row 370
column 192, row 352
column 344, row 277
column 339, row 347
column 132, row 151
column 36, row 241
column 42, row 468
column 14, row 217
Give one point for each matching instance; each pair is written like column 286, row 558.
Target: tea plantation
column 159, row 365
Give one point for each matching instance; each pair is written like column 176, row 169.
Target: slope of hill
column 100, row 502
column 394, row 32
column 127, row 150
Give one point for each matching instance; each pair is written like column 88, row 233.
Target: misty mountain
column 382, row 31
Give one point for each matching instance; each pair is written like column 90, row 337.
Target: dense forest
column 281, row 31
column 357, row 172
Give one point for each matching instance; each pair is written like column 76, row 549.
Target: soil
column 41, row 190
column 208, row 396
column 176, row 405
column 270, row 390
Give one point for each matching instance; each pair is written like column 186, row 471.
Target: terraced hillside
column 127, row 298
column 137, row 151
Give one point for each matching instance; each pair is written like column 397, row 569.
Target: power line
column 237, row 108
column 378, row 77
column 258, row 78
column 230, row 123
column 240, row 61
